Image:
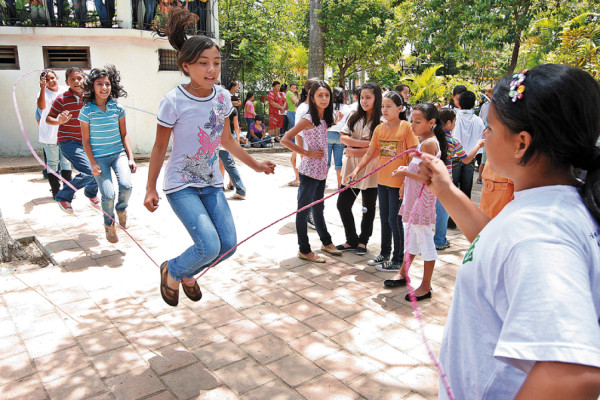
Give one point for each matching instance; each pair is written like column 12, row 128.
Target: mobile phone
column 43, row 74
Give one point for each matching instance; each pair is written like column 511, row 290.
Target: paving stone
column 101, row 342
column 190, row 381
column 198, row 335
column 29, row 388
column 288, row 328
column 274, row 390
column 62, row 363
column 316, row 294
column 242, row 331
column 219, row 354
column 244, row 375
column 280, row 297
column 267, row 348
column 295, row 369
column 326, row 387
column 328, row 324
column 169, row 358
column 48, row 343
column 138, row 382
column 179, row 318
column 220, row 393
column 346, row 366
column 152, row 339
column 302, row 309
column 314, row 346
column 379, row 386
column 15, row 368
column 221, row 316
column 117, row 362
column 263, row 314
column 83, row 383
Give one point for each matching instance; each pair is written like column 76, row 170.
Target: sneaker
column 378, row 260
column 444, row 247
column 122, row 215
column 310, row 222
column 111, row 233
column 388, row 267
column 66, row 207
column 95, row 201
column 238, row 196
column 361, row 251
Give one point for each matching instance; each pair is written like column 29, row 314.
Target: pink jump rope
column 407, row 261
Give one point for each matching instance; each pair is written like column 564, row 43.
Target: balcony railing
column 100, row 14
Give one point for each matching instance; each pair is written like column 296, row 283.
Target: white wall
column 133, row 52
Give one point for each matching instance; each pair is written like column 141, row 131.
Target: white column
column 124, row 15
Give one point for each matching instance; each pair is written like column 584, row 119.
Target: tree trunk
column 515, row 55
column 316, row 43
column 9, row 249
column 342, row 80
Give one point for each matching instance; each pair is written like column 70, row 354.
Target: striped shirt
column 105, row 134
column 455, row 150
column 70, row 130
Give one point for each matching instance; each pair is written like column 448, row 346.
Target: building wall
column 133, row 52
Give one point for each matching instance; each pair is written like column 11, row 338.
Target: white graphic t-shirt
column 197, row 124
column 528, row 290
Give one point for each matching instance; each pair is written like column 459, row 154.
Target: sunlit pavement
column 269, row 326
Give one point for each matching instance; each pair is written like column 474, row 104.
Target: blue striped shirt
column 105, row 135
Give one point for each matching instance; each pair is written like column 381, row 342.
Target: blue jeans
column 120, row 164
column 441, row 224
column 249, row 121
column 54, row 157
column 233, row 172
column 73, row 151
column 462, row 176
column 80, row 10
column 311, row 190
column 102, row 10
column 391, row 222
column 291, row 119
column 149, row 14
column 335, row 146
column 205, row 214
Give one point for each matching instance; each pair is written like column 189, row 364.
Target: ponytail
column 590, row 191
column 188, row 49
column 431, row 112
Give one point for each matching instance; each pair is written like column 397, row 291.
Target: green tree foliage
column 359, row 36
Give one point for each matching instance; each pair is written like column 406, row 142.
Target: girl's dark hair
column 431, row 112
column 259, row 117
column 401, row 87
column 116, row 90
column 559, row 109
column 338, row 97
column 231, row 85
column 398, row 101
column 248, row 96
column 306, row 89
column 445, row 115
column 188, row 49
column 312, row 107
column 362, row 114
column 283, row 88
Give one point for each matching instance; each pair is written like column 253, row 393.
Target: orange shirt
column 497, row 191
column 388, row 143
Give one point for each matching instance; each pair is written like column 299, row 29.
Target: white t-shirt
column 468, row 130
column 301, row 111
column 197, row 124
column 528, row 290
column 346, row 111
column 49, row 133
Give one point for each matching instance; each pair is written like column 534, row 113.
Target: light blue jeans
column 233, row 172
column 74, row 152
column 441, row 225
column 54, row 157
column 335, row 146
column 206, row 215
column 80, row 10
column 291, row 119
column 119, row 163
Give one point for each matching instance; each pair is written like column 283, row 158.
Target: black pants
column 344, row 205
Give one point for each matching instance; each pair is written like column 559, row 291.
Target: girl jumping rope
column 313, row 168
column 389, row 139
column 357, row 135
column 196, row 114
column 421, row 217
column 106, row 143
column 523, row 323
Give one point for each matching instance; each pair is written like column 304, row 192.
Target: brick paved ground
column 270, row 326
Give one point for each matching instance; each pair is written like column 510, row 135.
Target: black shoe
column 419, row 298
column 342, row 247
column 361, row 251
column 444, row 247
column 392, row 283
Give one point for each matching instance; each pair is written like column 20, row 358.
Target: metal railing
column 99, row 14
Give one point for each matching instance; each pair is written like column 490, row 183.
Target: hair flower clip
column 516, row 87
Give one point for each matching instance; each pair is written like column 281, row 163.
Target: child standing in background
column 313, row 168
column 389, row 139
column 106, row 143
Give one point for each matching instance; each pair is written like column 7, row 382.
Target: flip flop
column 317, row 259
